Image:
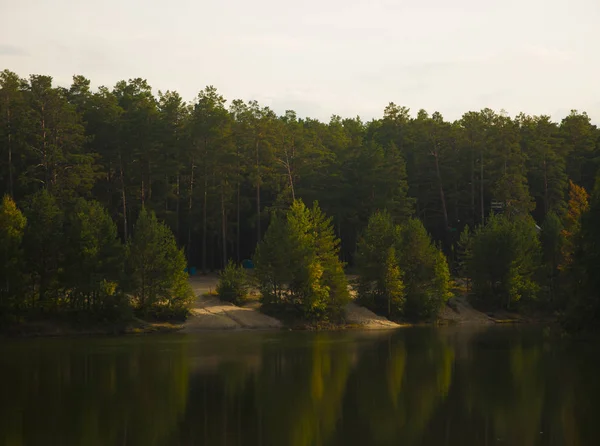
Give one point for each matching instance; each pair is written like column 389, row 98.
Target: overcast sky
column 323, row 57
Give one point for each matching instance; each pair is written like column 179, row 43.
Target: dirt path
column 210, row 313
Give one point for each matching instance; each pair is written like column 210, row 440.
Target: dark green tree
column 425, row 272
column 94, row 256
column 505, row 259
column 379, row 277
column 156, row 267
column 44, row 248
column 552, row 241
column 297, row 264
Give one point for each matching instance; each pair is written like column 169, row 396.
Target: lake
column 416, row 386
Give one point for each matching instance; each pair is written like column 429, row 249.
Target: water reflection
column 420, row 386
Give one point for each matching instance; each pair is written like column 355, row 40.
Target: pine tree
column 374, row 265
column 12, row 226
column 577, row 206
column 425, row 272
column 94, row 257
column 552, row 241
column 156, row 266
column 583, row 308
column 44, row 247
column 273, row 265
column 464, row 253
column 392, row 284
column 504, row 261
column 297, row 264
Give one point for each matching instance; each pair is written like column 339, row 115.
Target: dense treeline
column 215, row 172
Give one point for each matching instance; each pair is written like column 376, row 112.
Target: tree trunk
column 237, row 229
column 258, row 231
column 190, row 201
column 44, row 151
column 481, row 186
column 473, row 187
column 10, row 168
column 546, row 199
column 123, row 197
column 177, row 222
column 442, row 195
column 204, row 226
column 223, row 226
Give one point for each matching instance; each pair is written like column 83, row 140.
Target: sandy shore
column 210, row 313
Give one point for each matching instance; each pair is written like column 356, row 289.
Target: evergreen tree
column 44, row 248
column 464, row 253
column 583, row 310
column 425, row 272
column 12, row 227
column 156, row 267
column 273, row 265
column 421, row 279
column 379, row 277
column 504, row 261
column 392, row 284
column 297, row 264
column 577, row 206
column 94, row 257
column 552, row 240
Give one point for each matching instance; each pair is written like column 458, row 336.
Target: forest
column 96, row 182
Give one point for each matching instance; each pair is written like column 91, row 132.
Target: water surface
column 417, row 386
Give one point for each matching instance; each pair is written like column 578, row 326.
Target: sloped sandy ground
column 459, row 311
column 210, row 313
column 365, row 318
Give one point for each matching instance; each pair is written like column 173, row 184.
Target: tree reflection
column 396, row 389
column 91, row 393
column 421, row 386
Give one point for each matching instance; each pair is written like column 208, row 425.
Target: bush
column 233, row 283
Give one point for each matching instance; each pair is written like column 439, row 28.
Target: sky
column 323, row 57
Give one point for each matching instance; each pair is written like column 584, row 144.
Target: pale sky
column 323, row 57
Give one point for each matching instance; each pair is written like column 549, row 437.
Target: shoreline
column 208, row 313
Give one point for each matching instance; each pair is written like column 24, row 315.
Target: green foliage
column 212, row 173
column 379, row 284
column 43, row 243
column 12, row 227
column 426, row 272
column 505, row 259
column 583, row 307
column 94, row 256
column 297, row 264
column 401, row 271
column 552, row 241
column 156, row 267
column 464, row 251
column 392, row 283
column 233, row 283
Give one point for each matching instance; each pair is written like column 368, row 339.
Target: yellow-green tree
column 12, row 226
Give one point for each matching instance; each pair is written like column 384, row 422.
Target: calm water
column 419, row 386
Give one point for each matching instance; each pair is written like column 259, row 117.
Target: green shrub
column 233, row 283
